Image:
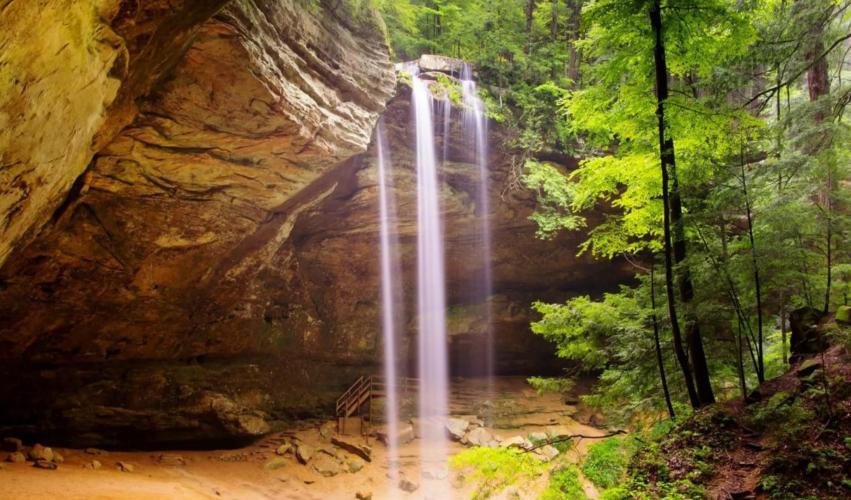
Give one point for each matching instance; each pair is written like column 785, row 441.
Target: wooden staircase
column 360, row 395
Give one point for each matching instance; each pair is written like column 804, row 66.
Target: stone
column 275, row 463
column 440, row 64
column 45, row 464
column 12, row 444
column 516, row 442
column 546, row 453
column 16, row 457
column 125, row 466
column 538, row 437
column 362, row 450
column 95, row 465
column 808, row 367
column 356, row 464
column 363, row 495
column 408, row 486
column 283, row 449
column 457, row 428
column 57, row 457
column 304, row 453
column 171, row 460
column 326, row 465
column 404, row 435
column 39, row 452
column 327, row 430
column 95, row 451
column 479, row 436
column 843, row 314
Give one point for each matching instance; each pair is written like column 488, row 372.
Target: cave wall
column 189, row 233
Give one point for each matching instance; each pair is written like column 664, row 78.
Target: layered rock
column 154, row 253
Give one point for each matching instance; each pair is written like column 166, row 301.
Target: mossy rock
column 843, row 315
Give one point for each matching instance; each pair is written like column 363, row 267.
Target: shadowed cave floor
column 516, row 410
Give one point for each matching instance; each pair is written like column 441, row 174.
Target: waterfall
column 431, row 296
column 389, row 290
column 475, row 127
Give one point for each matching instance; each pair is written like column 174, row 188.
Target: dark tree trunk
column 667, row 160
column 659, row 358
column 760, row 370
column 574, row 20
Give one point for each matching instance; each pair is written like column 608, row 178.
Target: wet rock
column 94, row 465
column 326, row 465
column 408, row 485
column 304, row 453
column 283, row 449
column 39, row 452
column 125, row 466
column 275, row 463
column 362, row 450
column 457, row 428
column 356, row 464
column 363, row 495
column 171, row 460
column 440, row 64
column 16, row 458
column 12, row 444
column 45, row 464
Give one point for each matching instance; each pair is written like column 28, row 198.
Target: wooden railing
column 368, row 387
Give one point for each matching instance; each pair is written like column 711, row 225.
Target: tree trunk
column 574, row 21
column 760, row 371
column 659, row 359
column 667, row 160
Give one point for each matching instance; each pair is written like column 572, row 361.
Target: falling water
column 431, row 296
column 389, row 287
column 475, row 126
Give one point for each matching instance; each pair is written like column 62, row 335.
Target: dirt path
column 514, row 409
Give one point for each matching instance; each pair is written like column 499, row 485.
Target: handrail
column 368, row 386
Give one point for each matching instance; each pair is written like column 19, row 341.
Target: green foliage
column 605, row 464
column 556, row 385
column 494, row 469
column 564, row 483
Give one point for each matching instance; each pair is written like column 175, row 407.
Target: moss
column 564, row 483
column 606, row 462
column 494, row 469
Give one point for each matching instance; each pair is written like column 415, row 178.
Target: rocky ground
column 304, row 462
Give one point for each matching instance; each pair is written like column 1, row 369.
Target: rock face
column 190, row 255
column 204, row 129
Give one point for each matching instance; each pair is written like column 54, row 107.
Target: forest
column 713, row 134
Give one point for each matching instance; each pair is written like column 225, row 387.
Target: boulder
column 12, row 444
column 807, row 337
column 363, row 495
column 327, row 430
column 46, row 464
column 283, row 449
column 538, row 437
column 304, row 453
column 356, row 464
column 546, row 453
column 457, row 428
column 16, row 457
column 95, row 465
column 440, row 64
column 479, row 436
column 404, row 434
column 39, row 452
column 516, row 442
column 408, row 486
column 57, row 457
column 843, row 315
column 125, row 466
column 362, row 450
column 326, row 465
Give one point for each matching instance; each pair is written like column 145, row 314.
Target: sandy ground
column 514, row 409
